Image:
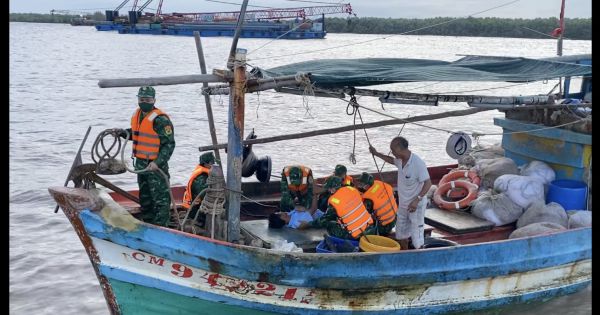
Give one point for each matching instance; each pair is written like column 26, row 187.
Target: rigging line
column 538, row 32
column 452, row 132
column 475, row 132
column 487, row 89
column 527, row 131
column 384, row 114
column 385, row 37
column 278, row 37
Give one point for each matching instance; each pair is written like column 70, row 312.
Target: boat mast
column 235, row 132
column 559, row 45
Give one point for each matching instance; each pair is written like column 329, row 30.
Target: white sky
column 363, row 8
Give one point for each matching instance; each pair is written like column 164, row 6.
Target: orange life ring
column 459, row 193
column 458, row 174
column 459, row 204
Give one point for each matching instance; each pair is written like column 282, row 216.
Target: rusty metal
column 71, row 200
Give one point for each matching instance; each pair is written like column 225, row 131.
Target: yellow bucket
column 376, row 243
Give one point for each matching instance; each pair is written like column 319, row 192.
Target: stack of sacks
column 479, row 153
column 490, row 169
column 541, row 218
column 541, row 212
column 579, row 218
column 536, row 229
column 522, row 190
column 496, row 208
column 540, row 171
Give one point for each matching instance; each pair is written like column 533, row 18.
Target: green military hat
column 340, row 170
column 333, row 182
column 366, row 178
column 207, row 158
column 146, row 91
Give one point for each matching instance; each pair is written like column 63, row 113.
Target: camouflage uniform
column 329, row 220
column 287, row 197
column 367, row 179
column 155, row 199
column 384, row 230
column 199, row 184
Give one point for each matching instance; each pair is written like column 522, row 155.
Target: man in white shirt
column 413, row 184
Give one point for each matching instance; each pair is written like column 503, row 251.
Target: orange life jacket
column 350, row 210
column 347, row 181
column 187, row 195
column 146, row 143
column 384, row 203
column 303, row 187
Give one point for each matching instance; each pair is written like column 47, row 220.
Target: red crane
column 257, row 15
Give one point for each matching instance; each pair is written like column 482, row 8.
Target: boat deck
column 458, row 226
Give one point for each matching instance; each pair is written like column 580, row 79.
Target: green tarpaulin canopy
column 329, row 73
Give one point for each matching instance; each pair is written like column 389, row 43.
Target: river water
column 54, row 97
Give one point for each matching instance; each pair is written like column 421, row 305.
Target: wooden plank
column 352, row 127
column 553, row 133
column 305, row 239
column 169, row 80
column 456, row 222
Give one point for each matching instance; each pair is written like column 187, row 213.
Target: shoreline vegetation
column 578, row 28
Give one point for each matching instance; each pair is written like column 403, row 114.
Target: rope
column 278, row 37
column 386, row 37
column 355, row 111
column 97, row 157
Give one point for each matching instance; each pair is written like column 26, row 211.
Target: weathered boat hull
column 145, row 269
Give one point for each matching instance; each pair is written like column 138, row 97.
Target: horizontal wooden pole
column 389, row 96
column 172, row 80
column 352, row 127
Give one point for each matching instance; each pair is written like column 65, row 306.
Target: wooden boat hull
column 149, row 269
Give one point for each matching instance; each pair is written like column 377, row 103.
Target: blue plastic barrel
column 322, row 246
column 571, row 194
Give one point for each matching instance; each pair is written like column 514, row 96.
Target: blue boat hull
column 138, row 263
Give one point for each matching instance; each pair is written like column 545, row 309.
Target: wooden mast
column 209, row 113
column 237, row 63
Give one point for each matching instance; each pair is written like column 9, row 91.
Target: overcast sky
column 363, row 8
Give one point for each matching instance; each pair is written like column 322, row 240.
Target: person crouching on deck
column 153, row 144
column 296, row 186
column 197, row 184
column 346, row 216
column 341, row 172
column 379, row 200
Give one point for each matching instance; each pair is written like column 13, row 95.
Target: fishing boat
column 143, row 268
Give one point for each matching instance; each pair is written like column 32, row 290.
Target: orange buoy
column 459, row 193
column 459, row 175
column 459, row 204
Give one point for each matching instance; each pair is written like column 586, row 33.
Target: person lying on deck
column 294, row 218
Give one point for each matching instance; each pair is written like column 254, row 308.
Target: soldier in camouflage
column 153, row 144
column 330, row 219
